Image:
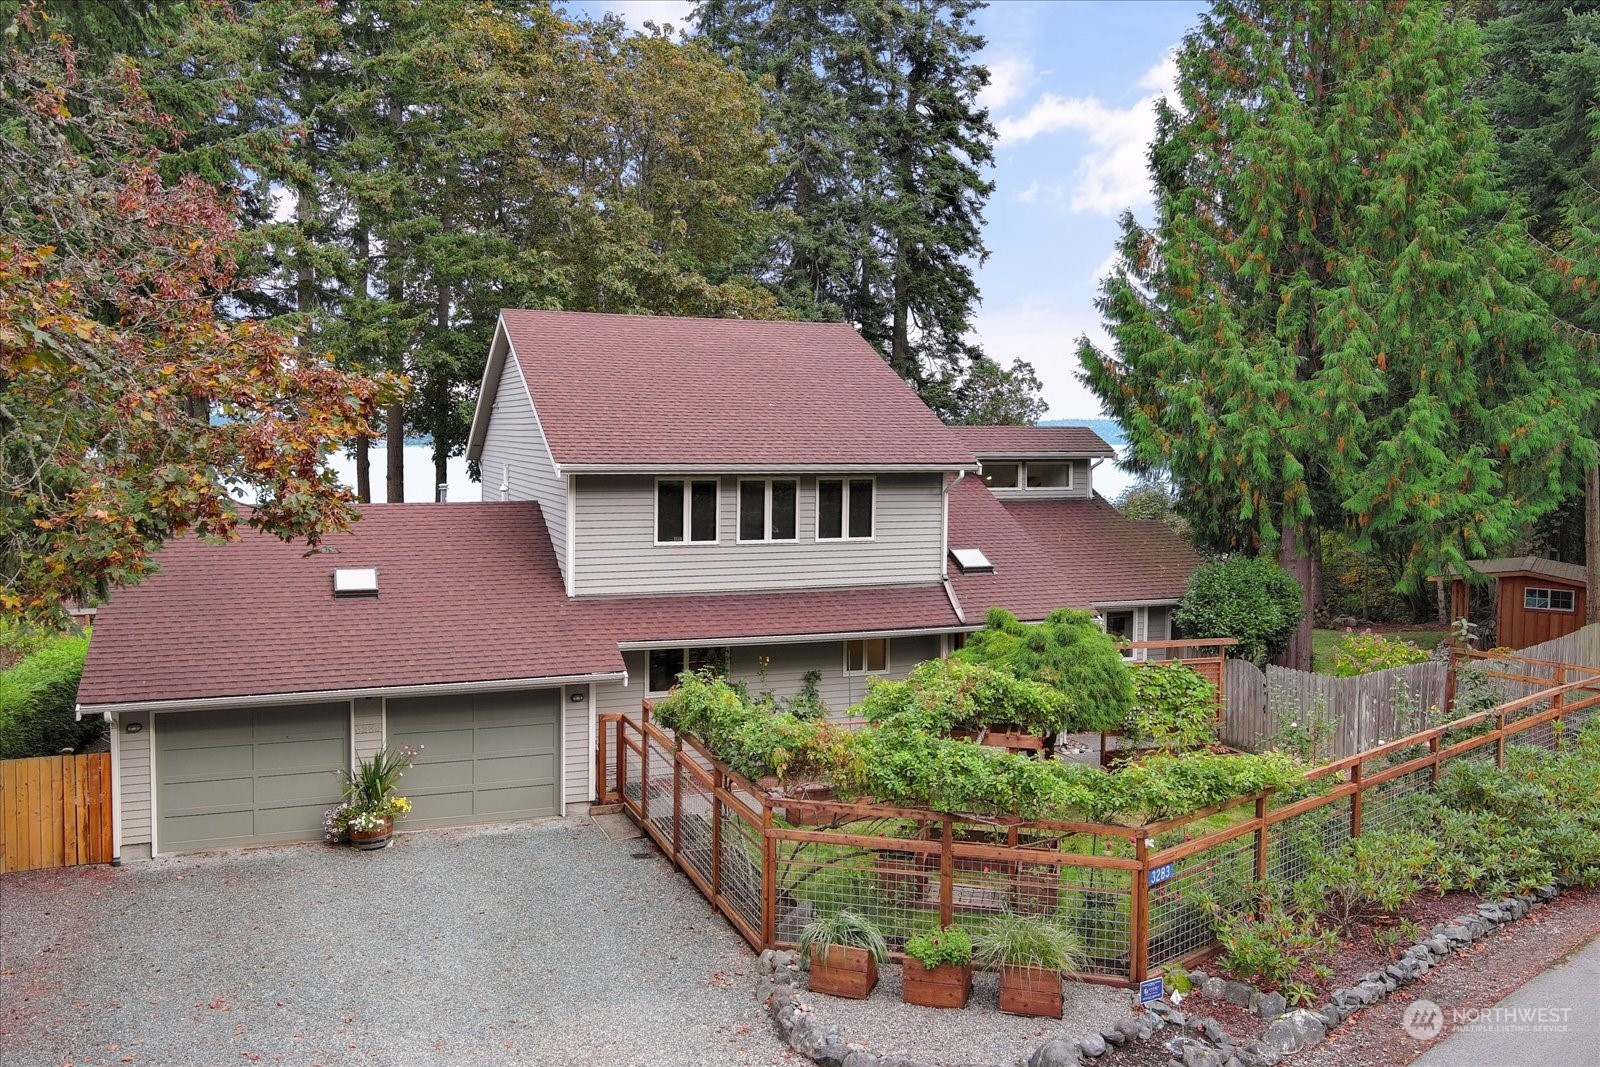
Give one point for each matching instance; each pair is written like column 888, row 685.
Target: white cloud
column 1045, row 333
column 1009, row 78
column 1113, row 174
column 637, row 12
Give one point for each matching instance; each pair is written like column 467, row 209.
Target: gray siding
column 514, row 440
column 577, row 746
column 616, row 553
column 367, row 722
column 1082, row 485
column 133, row 758
column 786, row 667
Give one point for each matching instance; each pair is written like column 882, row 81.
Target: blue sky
column 1072, row 90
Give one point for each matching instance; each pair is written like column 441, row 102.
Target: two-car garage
column 260, row 775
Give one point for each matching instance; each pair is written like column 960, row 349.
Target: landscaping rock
column 1198, row 977
column 1196, row 1055
column 1238, row 993
column 1216, row 988
column 1215, row 1033
column 861, row 1058
column 1457, row 934
column 1271, row 1006
column 1114, row 1036
column 1093, row 1046
column 1438, row 945
column 1131, row 1028
column 764, row 964
column 1295, row 1031
column 1057, row 1052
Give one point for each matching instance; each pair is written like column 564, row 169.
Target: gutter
column 797, row 639
column 500, row 685
column 766, row 468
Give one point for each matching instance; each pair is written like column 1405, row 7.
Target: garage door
column 247, row 776
column 487, row 758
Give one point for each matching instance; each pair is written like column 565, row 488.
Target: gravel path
column 527, row 944
column 976, row 1034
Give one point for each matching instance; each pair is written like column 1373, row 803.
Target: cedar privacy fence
column 1134, row 894
column 55, row 811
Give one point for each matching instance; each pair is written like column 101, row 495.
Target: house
column 768, row 498
column 1535, row 600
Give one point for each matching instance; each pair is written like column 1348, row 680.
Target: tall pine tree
column 1334, row 321
column 884, row 149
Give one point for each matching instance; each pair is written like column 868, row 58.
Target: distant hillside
column 1108, row 429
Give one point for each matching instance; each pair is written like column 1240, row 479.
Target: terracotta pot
column 945, row 986
column 841, row 971
column 368, row 840
column 1030, row 991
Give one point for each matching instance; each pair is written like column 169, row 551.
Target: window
column 844, row 509
column 1125, row 625
column 767, row 510
column 667, row 663
column 867, row 657
column 1002, row 475
column 686, row 510
column 1548, row 599
column 1049, row 476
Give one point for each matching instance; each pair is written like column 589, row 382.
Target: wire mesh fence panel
column 660, row 768
column 1389, row 806
column 695, row 802
column 1295, row 842
column 1180, row 905
column 739, row 865
column 895, row 889
column 632, row 769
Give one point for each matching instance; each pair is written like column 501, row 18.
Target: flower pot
column 1030, row 991
column 945, row 986
column 841, row 971
column 368, row 840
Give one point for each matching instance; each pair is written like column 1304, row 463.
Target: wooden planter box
column 1030, row 991
column 843, row 972
column 945, row 986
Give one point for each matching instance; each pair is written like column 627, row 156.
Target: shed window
column 1537, row 599
column 686, row 510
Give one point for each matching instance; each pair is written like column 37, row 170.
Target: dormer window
column 1049, row 476
column 1002, row 475
column 686, row 511
column 1034, row 474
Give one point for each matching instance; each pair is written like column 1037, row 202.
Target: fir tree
column 1334, row 321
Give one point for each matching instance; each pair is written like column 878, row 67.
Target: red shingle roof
column 466, row 593
column 1034, row 441
column 1049, row 554
column 798, row 613
column 644, row 390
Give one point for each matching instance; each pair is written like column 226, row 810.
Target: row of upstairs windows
column 689, row 510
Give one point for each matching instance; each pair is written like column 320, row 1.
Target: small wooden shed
column 1535, row 599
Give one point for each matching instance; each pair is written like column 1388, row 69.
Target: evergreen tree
column 884, row 146
column 1334, row 322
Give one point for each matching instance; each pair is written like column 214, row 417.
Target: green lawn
column 1325, row 643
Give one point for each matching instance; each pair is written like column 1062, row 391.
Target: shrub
column 948, row 945
column 1068, row 651
column 1011, row 940
column 1365, row 652
column 944, row 693
column 1265, row 950
column 1174, row 707
column 1250, row 599
column 38, row 698
column 1371, row 875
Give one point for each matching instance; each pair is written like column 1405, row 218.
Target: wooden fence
column 1134, row 894
column 1358, row 713
column 55, row 811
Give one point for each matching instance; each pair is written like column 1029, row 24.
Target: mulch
column 1478, row 977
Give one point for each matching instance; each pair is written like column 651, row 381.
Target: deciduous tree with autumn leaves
column 130, row 410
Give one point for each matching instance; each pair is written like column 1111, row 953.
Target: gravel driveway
column 528, row 944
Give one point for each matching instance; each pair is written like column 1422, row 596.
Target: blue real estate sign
column 1150, row 990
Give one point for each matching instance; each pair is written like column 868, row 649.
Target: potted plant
column 1031, row 953
column 844, row 950
column 366, row 817
column 938, row 968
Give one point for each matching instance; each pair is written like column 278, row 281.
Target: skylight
column 355, row 581
column 972, row 561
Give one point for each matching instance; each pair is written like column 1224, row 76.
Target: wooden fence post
column 718, row 784
column 1355, row 799
column 1139, row 927
column 769, row 879
column 947, row 870
column 1433, row 750
column 1500, row 740
column 600, row 762
column 677, row 802
column 1261, row 843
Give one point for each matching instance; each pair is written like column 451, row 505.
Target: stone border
column 1201, row 1041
